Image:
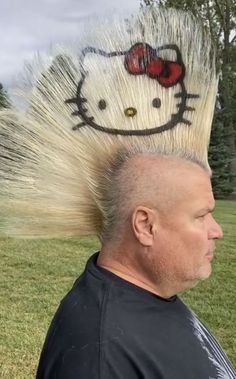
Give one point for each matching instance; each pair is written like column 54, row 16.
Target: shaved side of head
column 151, row 180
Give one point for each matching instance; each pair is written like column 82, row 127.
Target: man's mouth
column 210, row 255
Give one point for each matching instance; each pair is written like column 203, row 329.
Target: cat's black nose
column 130, row 112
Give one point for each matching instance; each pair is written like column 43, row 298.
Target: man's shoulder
column 83, row 300
column 74, row 333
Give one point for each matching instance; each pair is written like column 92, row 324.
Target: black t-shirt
column 108, row 328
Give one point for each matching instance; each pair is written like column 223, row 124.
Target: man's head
column 161, row 219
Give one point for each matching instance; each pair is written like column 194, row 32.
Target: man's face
column 185, row 239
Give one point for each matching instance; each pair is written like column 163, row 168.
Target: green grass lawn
column 35, row 275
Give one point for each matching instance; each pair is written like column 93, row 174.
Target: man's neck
column 131, row 275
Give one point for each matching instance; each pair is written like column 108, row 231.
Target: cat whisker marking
column 71, row 101
column 77, row 113
column 192, row 96
column 191, row 109
column 186, row 122
column 78, row 126
column 179, row 94
column 186, row 95
column 186, row 108
column 85, row 110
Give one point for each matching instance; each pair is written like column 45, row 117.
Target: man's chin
column 204, row 274
column 206, row 271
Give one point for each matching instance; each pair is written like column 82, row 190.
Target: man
column 123, row 318
column 114, row 143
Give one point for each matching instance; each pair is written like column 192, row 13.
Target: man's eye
column 201, row 216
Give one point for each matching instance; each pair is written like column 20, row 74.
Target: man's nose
column 216, row 230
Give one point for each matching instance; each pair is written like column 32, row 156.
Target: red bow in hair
column 142, row 59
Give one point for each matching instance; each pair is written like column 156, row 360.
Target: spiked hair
column 147, row 83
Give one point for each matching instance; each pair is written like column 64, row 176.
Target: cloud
column 30, row 26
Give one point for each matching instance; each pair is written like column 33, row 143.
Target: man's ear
column 144, row 224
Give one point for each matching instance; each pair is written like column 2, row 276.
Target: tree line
column 220, row 18
column 4, row 99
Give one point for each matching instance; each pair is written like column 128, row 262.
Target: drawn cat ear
column 94, row 63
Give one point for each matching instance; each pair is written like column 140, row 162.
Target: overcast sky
column 28, row 26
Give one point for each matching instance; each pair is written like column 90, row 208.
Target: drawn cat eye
column 102, row 104
column 156, row 103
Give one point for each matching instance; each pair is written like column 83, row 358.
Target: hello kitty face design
column 134, row 92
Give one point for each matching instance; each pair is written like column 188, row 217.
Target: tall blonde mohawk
column 148, row 83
